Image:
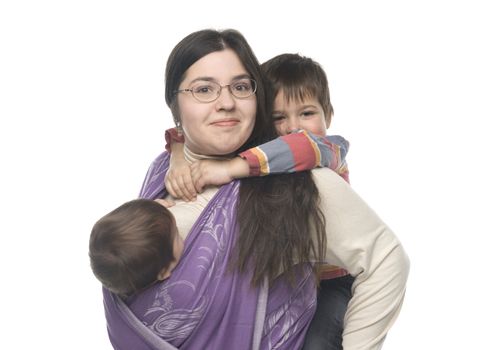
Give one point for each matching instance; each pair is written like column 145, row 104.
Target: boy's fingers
column 175, row 190
column 169, row 188
column 183, row 190
column 198, row 186
column 189, row 188
column 182, row 193
column 197, row 178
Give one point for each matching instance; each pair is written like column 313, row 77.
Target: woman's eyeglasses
column 209, row 91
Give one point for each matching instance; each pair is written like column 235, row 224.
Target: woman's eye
column 242, row 86
column 203, row 89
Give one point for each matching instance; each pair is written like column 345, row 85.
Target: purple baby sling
column 204, row 305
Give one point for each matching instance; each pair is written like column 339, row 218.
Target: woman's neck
column 193, row 157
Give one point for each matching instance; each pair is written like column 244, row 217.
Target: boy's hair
column 131, row 245
column 299, row 77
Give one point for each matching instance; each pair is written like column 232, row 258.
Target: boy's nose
column 292, row 125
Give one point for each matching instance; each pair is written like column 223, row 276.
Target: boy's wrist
column 177, row 152
column 238, row 168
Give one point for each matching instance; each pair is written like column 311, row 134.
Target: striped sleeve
column 297, row 152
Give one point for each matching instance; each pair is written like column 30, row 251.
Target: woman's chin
column 225, row 150
column 222, row 145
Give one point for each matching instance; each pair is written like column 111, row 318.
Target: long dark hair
column 276, row 214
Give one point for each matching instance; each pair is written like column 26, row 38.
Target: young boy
column 303, row 102
column 302, row 112
column 135, row 245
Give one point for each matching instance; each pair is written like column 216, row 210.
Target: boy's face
column 307, row 114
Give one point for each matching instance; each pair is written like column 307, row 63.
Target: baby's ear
column 164, row 274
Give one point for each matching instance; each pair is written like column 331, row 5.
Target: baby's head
column 298, row 82
column 134, row 245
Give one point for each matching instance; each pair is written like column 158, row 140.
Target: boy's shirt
column 297, row 151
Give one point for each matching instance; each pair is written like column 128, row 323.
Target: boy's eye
column 277, row 118
column 308, row 113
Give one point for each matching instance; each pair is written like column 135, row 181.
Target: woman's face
column 222, row 126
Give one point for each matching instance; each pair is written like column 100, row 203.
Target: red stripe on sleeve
column 302, row 151
column 254, row 165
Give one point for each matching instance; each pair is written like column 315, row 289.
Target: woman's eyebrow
column 203, row 79
column 241, row 76
column 237, row 77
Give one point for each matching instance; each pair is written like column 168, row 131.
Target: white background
column 82, row 115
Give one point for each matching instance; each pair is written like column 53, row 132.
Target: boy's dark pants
column 326, row 329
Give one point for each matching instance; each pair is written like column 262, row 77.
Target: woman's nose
column 226, row 100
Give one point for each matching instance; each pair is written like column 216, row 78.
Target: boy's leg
column 326, row 329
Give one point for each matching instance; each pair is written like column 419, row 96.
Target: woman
column 217, row 297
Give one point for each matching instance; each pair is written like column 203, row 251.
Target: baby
column 135, row 245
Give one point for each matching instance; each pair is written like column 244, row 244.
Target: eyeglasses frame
column 253, row 81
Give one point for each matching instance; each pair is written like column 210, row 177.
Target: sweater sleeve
column 297, row 152
column 359, row 241
column 172, row 135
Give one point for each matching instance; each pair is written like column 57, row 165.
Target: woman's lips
column 226, row 122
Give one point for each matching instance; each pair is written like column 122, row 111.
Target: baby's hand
column 165, row 202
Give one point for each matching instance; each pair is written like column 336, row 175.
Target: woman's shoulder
column 334, row 189
column 326, row 177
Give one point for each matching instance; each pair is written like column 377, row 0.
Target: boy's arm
column 290, row 153
column 297, row 152
column 178, row 179
column 173, row 136
column 218, row 172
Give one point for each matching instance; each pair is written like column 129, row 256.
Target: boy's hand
column 217, row 172
column 178, row 179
